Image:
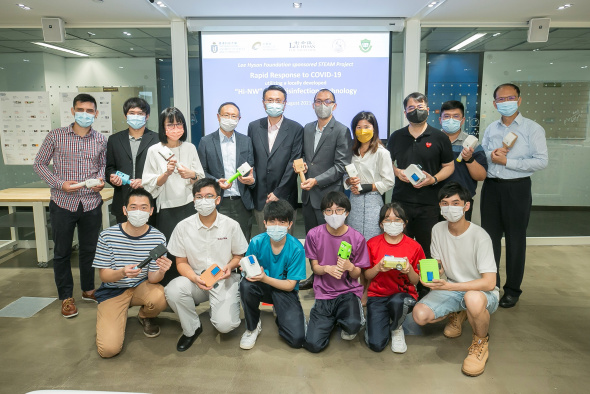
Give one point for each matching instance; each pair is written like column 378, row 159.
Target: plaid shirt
column 75, row 158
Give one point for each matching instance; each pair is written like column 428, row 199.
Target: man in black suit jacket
column 221, row 153
column 327, row 149
column 126, row 152
column 277, row 141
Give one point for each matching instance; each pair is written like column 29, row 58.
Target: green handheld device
column 345, row 250
column 429, row 270
column 244, row 169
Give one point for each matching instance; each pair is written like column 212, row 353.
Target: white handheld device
column 509, row 140
column 88, row 183
column 250, row 266
column 398, row 263
column 470, row 142
column 166, row 153
column 353, row 173
column 414, row 174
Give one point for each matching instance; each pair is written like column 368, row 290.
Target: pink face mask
column 174, row 134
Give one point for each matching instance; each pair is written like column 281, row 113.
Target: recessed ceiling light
column 535, row 50
column 496, row 34
column 91, row 33
column 297, row 5
column 1, row 68
column 467, row 41
column 518, row 71
column 433, row 4
column 24, row 7
column 551, row 63
column 126, row 33
column 565, row 6
column 130, row 49
column 161, row 4
column 25, row 60
column 121, row 67
column 43, row 44
column 584, row 67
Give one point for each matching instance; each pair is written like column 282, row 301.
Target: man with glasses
column 473, row 165
column 277, row 141
column 127, row 151
column 79, row 153
column 506, row 197
column 198, row 242
column 221, row 153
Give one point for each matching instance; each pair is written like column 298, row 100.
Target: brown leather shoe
column 68, row 308
column 454, row 328
column 89, row 296
column 150, row 329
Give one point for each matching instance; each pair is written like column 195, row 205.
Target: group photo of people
column 215, row 222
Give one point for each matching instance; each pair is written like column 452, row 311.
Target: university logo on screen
column 365, row 45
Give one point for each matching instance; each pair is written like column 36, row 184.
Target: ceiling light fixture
column 91, row 33
column 297, row 5
column 24, row 7
column 496, row 34
column 161, row 4
column 467, row 41
column 432, row 4
column 43, row 44
column 564, row 7
column 584, row 67
column 126, row 33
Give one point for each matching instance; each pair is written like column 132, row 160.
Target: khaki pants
column 111, row 318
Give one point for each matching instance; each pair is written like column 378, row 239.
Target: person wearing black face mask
column 420, row 144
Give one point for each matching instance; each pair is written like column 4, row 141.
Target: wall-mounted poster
column 104, row 122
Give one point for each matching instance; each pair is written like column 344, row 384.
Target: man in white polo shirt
column 199, row 241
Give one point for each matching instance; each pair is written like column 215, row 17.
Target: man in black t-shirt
column 423, row 145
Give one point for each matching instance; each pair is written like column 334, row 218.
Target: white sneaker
column 346, row 336
column 249, row 337
column 398, row 341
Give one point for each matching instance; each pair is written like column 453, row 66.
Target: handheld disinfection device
column 470, row 142
column 250, row 266
column 244, row 169
column 88, row 183
column 353, row 173
column 345, row 250
column 429, row 270
column 414, row 173
column 124, row 177
column 398, row 263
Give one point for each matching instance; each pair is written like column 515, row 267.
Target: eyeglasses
column 411, row 108
column 271, row 101
column 232, row 117
column 509, row 98
column 397, row 220
column 172, row 126
column 338, row 211
column 456, row 117
column 207, row 197
column 327, row 102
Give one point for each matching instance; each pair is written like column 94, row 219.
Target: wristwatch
column 470, row 160
column 435, row 181
column 195, row 177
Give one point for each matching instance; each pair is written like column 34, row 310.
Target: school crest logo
column 365, row 45
column 214, row 48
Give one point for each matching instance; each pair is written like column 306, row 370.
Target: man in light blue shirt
column 506, row 194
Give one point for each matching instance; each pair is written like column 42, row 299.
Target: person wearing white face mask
column 221, row 153
column 464, row 251
column 506, row 197
column 282, row 259
column 198, row 242
column 336, row 286
column 473, row 165
column 127, row 152
column 391, row 291
column 120, row 249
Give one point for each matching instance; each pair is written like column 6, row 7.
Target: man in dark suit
column 327, row 149
column 221, row 153
column 126, row 152
column 277, row 141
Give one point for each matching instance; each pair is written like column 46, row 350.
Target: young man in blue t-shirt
column 282, row 258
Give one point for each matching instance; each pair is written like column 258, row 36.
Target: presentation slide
column 238, row 67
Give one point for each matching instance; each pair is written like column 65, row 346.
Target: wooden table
column 38, row 199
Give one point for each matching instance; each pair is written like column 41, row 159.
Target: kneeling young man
column 198, row 242
column 119, row 250
column 282, row 258
column 336, row 286
column 465, row 251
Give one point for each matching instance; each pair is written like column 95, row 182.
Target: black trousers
column 63, row 224
column 344, row 310
column 234, row 208
column 167, row 219
column 505, row 210
column 421, row 219
column 383, row 315
column 311, row 216
column 290, row 318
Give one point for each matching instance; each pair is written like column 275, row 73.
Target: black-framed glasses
column 326, row 102
column 338, row 211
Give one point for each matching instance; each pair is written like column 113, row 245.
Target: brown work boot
column 454, row 328
column 475, row 362
column 150, row 329
column 68, row 308
column 89, row 296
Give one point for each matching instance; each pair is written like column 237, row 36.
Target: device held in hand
column 345, row 250
column 155, row 254
column 124, row 177
column 250, row 266
column 242, row 170
column 509, row 140
column 429, row 270
column 89, row 183
column 470, row 142
column 414, row 174
column 398, row 263
column 353, row 173
column 211, row 275
column 300, row 168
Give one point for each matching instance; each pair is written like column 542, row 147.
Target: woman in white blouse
column 375, row 175
column 170, row 180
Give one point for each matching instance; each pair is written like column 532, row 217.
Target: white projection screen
column 238, row 67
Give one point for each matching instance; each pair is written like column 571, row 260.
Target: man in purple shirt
column 336, row 286
column 79, row 154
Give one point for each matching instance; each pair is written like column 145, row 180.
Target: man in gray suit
column 327, row 149
column 221, row 153
column 277, row 141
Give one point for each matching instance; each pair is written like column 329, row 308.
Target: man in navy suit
column 277, row 141
column 221, row 153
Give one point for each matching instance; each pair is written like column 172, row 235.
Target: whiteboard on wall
column 104, row 121
column 26, row 120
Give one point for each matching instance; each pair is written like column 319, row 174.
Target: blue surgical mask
column 276, row 233
column 136, row 121
column 83, row 119
column 275, row 109
column 507, row 108
column 451, row 125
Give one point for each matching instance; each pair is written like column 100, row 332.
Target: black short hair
column 397, row 209
column 228, row 103
column 504, row 85
column 452, row 104
column 452, row 188
column 84, row 98
column 420, row 97
column 278, row 210
column 171, row 114
column 139, row 193
column 274, row 87
column 205, row 182
column 136, row 102
column 337, row 198
column 325, row 90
